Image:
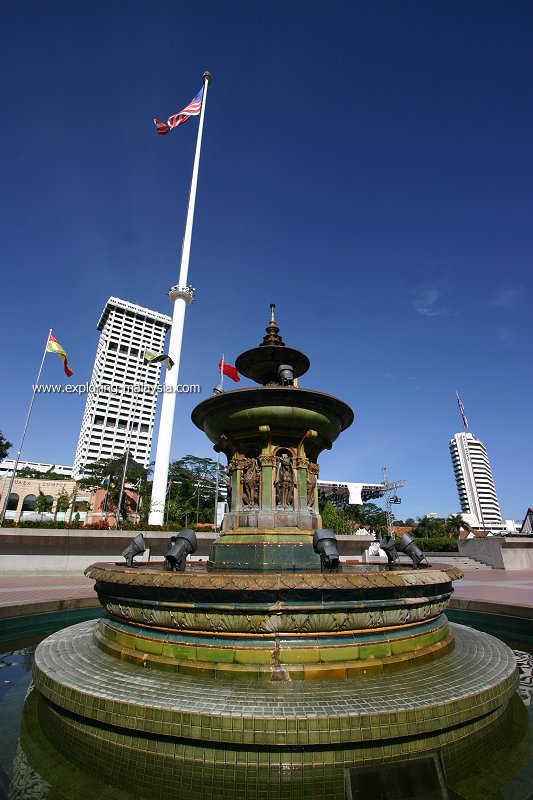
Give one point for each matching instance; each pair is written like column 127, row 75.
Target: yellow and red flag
column 53, row 346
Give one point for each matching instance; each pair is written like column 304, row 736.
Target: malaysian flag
column 462, row 410
column 193, row 109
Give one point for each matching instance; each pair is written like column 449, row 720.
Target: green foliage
column 28, row 472
column 329, row 516
column 437, row 544
column 192, row 491
column 63, row 501
column 5, row 446
column 42, row 503
column 430, row 527
column 406, row 523
column 102, row 474
column 337, row 520
column 369, row 516
column 455, row 523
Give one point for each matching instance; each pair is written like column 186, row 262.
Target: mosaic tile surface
column 476, row 678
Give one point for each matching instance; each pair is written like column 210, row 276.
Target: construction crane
column 390, row 499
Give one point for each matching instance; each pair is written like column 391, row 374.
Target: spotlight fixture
column 387, row 544
column 286, row 374
column 184, row 543
column 411, row 549
column 136, row 547
column 325, row 545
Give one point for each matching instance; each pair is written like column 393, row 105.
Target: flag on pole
column 228, row 370
column 191, row 110
column 462, row 410
column 169, row 484
column 158, row 358
column 53, row 346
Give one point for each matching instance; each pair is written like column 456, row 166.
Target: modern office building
column 122, row 397
column 475, row 484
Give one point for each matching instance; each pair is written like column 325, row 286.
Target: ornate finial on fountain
column 272, row 338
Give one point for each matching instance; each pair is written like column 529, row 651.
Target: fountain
column 265, row 673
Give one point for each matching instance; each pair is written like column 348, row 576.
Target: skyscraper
column 475, row 484
column 120, row 409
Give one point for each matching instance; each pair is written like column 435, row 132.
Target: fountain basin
column 268, row 626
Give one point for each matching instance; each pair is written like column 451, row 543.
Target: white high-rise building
column 475, row 484
column 120, row 409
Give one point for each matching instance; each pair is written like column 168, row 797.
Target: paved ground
column 497, row 586
column 20, row 592
column 33, row 594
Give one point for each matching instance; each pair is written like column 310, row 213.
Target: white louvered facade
column 475, row 484
column 120, row 409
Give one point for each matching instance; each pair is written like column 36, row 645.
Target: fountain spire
column 272, row 337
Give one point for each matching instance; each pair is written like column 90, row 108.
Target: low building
column 85, row 506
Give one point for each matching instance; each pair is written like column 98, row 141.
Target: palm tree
column 454, row 524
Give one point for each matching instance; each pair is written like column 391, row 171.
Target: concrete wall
column 34, row 550
column 38, row 550
column 509, row 552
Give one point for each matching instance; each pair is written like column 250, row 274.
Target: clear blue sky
column 366, row 166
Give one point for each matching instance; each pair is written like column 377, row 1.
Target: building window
column 29, row 503
column 13, row 502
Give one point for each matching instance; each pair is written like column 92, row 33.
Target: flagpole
column 218, row 455
column 6, row 501
column 126, row 458
column 181, row 295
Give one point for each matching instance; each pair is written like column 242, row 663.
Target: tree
column 430, row 526
column 108, row 474
column 192, row 490
column 43, row 504
column 5, row 446
column 29, row 472
column 63, row 501
column 357, row 514
column 329, row 517
column 454, row 524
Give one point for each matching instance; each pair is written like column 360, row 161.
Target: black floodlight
column 325, row 544
column 387, row 544
column 411, row 549
column 286, row 374
column 136, row 547
column 184, row 544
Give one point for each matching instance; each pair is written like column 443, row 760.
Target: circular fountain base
column 89, row 695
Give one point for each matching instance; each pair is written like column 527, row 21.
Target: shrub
column 437, row 544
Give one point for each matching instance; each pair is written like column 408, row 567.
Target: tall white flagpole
column 14, row 474
column 218, row 456
column 181, row 295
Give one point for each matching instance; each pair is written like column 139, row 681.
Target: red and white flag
column 192, row 110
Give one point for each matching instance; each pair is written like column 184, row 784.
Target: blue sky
column 366, row 166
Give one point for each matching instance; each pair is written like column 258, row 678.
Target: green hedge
column 98, row 526
column 437, row 544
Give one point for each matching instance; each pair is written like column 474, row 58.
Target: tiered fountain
column 260, row 674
